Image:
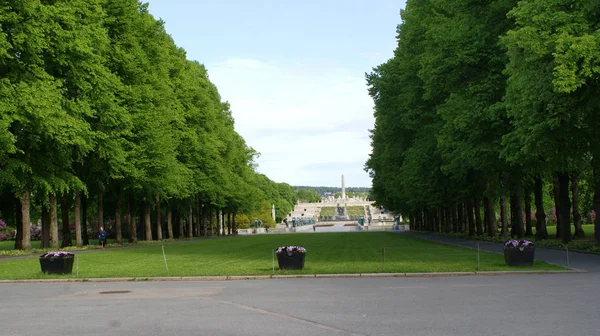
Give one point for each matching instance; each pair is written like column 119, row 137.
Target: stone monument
column 340, row 213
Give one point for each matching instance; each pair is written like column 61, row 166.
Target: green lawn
column 7, row 245
column 587, row 228
column 327, row 253
column 350, row 211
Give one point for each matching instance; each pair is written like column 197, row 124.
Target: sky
column 294, row 75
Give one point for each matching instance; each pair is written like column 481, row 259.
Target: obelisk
column 343, row 188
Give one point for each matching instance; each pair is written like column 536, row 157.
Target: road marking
column 289, row 317
column 142, row 293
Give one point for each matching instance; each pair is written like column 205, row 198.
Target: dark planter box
column 291, row 262
column 56, row 265
column 519, row 256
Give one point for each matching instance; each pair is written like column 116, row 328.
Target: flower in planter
column 518, row 243
column 57, row 255
column 290, row 249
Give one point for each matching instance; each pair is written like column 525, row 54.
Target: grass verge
column 327, row 253
column 586, row 243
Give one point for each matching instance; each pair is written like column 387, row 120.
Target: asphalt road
column 550, row 304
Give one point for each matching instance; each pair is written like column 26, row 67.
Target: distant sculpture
column 341, row 213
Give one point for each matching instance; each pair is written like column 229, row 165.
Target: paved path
column 520, row 305
column 578, row 260
column 503, row 305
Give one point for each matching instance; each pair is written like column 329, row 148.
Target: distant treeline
column 323, row 190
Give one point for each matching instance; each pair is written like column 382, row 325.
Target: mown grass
column 327, row 253
column 587, row 228
column 586, row 243
column 350, row 211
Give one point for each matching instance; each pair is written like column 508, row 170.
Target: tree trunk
column 119, row 234
column 528, row 229
column 147, row 221
column 77, row 213
column 159, row 235
column 131, row 225
column 229, row 223
column 576, row 215
column 478, row 224
column 140, row 224
column 45, row 239
column 470, row 220
column 453, row 220
column 84, row 232
column 491, row 216
column 19, row 224
column 461, row 217
column 503, row 217
column 235, row 232
column 449, row 219
column 25, row 220
column 53, row 222
column 541, row 232
column 197, row 231
column 512, row 216
column 170, row 221
column 204, row 226
column 557, row 209
column 211, row 216
column 219, row 222
column 518, row 214
column 565, row 207
column 190, row 224
column 597, row 207
column 416, row 220
column 180, row 226
column 442, row 220
column 429, row 220
column 100, row 207
column 66, row 230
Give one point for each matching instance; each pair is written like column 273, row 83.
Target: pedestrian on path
column 102, row 237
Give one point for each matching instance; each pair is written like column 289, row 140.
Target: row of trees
column 324, row 190
column 100, row 108
column 487, row 103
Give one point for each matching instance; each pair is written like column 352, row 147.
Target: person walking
column 102, row 237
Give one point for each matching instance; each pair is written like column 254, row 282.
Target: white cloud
column 302, row 118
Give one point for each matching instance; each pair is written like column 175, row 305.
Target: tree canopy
column 97, row 98
column 479, row 102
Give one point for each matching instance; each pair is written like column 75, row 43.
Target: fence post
column 165, row 257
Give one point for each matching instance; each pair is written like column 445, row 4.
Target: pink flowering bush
column 36, row 232
column 4, row 231
column 57, row 255
column 290, row 250
column 518, row 243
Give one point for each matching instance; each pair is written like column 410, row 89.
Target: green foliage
column 480, row 100
column 96, row 93
column 305, row 195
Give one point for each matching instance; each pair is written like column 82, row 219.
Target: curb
column 301, row 276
